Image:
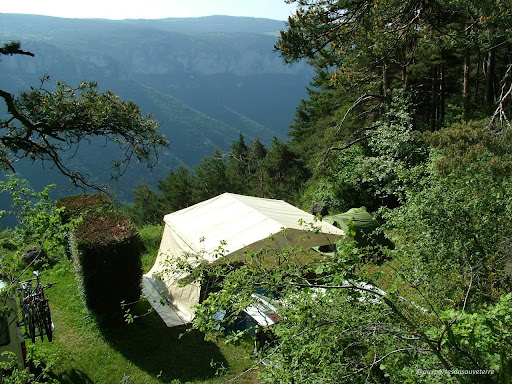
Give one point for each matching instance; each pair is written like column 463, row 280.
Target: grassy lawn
column 143, row 352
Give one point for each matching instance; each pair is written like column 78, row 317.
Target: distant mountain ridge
column 190, row 25
column 204, row 79
column 218, row 23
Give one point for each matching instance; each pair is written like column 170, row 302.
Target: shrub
column 107, row 253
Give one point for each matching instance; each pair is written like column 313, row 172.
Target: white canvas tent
column 240, row 222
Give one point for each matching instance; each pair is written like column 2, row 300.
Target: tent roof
column 360, row 217
column 243, row 221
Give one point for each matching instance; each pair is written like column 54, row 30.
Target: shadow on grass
column 167, row 353
column 74, row 376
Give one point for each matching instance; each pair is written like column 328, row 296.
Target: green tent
column 360, row 221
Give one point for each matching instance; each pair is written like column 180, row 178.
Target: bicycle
column 35, row 309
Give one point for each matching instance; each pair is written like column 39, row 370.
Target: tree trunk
column 385, row 80
column 467, row 67
column 406, row 61
column 440, row 121
column 477, row 77
column 433, row 97
column 490, row 75
column 465, row 88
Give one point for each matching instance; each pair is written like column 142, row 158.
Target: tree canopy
column 449, row 55
column 275, row 172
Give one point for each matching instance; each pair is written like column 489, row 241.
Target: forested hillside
column 204, row 80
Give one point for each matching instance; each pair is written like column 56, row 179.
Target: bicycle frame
column 35, row 309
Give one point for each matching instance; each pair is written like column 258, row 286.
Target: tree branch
column 11, row 108
column 431, row 343
column 500, row 110
column 13, row 48
column 377, row 361
column 67, row 116
column 356, row 103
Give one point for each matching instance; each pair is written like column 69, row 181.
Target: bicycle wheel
column 47, row 320
column 31, row 323
column 40, row 326
column 40, row 319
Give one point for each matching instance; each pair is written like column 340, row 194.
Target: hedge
column 106, row 249
column 76, row 205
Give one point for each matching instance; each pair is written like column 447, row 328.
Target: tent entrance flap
column 171, row 316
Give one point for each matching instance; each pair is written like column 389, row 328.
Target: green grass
column 151, row 236
column 146, row 351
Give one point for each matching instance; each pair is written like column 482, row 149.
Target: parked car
column 263, row 313
column 258, row 318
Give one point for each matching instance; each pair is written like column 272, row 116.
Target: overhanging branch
column 13, row 48
column 11, row 108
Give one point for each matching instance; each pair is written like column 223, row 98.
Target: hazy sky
column 149, row 9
